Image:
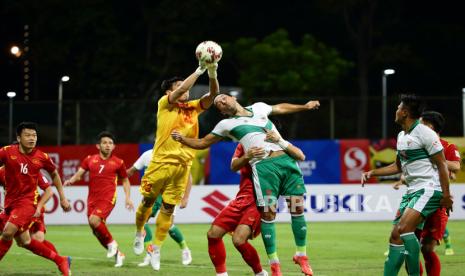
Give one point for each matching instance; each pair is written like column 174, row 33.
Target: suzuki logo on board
column 216, row 201
column 355, row 160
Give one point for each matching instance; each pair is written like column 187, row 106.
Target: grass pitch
column 334, row 248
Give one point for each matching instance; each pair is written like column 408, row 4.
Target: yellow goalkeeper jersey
column 182, row 117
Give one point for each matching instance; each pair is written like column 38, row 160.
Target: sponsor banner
column 355, row 159
column 323, row 203
column 382, row 153
column 322, row 156
column 69, row 158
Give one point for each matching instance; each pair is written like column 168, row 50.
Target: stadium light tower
column 10, row 95
column 386, row 73
column 60, row 107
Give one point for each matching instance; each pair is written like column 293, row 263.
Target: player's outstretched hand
column 176, row 136
column 201, row 69
column 67, row 183
column 313, row 105
column 271, row 136
column 212, row 67
column 129, row 204
column 365, row 177
column 447, row 202
column 65, row 205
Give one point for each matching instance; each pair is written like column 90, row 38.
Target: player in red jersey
column 241, row 216
column 435, row 225
column 104, row 171
column 23, row 163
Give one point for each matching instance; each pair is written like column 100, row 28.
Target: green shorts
column 277, row 176
column 425, row 201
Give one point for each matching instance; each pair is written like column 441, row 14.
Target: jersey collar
column 248, row 109
column 413, row 126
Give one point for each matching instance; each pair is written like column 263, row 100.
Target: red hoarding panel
column 355, row 159
column 68, row 159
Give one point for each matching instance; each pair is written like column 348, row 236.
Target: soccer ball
column 208, row 52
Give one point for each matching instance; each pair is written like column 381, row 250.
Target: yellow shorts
column 167, row 179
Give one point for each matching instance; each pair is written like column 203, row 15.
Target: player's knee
column 167, row 208
column 268, row 216
column 94, row 222
column 148, row 202
column 7, row 236
column 395, row 236
column 238, row 240
column 213, row 234
column 428, row 245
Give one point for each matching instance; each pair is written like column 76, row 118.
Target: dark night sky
column 431, row 39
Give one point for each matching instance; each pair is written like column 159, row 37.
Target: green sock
column 177, row 236
column 269, row 239
column 148, row 234
column 394, row 260
column 412, row 253
column 446, row 238
column 299, row 229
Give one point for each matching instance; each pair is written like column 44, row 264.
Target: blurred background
column 107, row 59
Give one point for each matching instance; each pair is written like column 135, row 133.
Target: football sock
column 217, row 254
column 447, row 239
column 250, row 256
column 50, row 246
column 103, row 235
column 177, row 236
column 148, row 234
column 412, row 253
column 142, row 214
column 163, row 225
column 299, row 229
column 269, row 239
column 40, row 249
column 4, row 247
column 432, row 264
column 394, row 260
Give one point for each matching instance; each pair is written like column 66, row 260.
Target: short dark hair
column 434, row 118
column 25, row 125
column 105, row 134
column 167, row 84
column 414, row 105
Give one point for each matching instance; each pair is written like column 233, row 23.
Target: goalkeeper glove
column 212, row 70
column 201, row 69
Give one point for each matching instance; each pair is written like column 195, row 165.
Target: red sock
column 4, row 247
column 432, row 264
column 103, row 235
column 217, row 254
column 421, row 269
column 250, row 256
column 42, row 250
column 50, row 246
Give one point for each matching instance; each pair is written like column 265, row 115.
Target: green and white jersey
column 249, row 130
column 414, row 149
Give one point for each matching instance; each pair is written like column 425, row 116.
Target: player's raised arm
column 286, row 108
column 238, row 162
column 196, row 143
column 57, row 182
column 391, row 169
column 293, row 151
column 187, row 83
column 207, row 99
column 76, row 177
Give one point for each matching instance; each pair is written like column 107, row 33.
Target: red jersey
column 451, row 151
column 246, row 184
column 42, row 181
column 22, row 174
column 103, row 175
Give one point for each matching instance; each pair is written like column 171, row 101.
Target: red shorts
column 101, row 208
column 239, row 213
column 435, row 225
column 20, row 216
column 39, row 225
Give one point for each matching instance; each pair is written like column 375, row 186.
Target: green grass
column 343, row 248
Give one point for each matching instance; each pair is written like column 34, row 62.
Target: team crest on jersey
column 36, row 161
column 112, row 162
column 94, row 161
column 13, row 157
